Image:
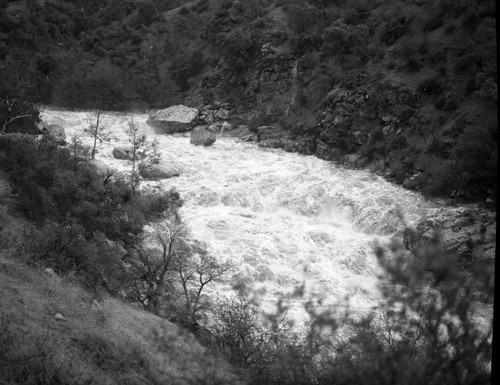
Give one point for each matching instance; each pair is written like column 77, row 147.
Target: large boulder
column 178, row 118
column 122, row 152
column 202, row 137
column 56, row 132
column 160, row 171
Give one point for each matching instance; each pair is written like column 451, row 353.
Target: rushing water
column 282, row 219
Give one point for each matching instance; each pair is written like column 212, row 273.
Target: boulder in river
column 122, row 152
column 177, row 118
column 56, row 132
column 160, row 171
column 202, row 137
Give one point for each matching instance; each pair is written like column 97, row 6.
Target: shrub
column 55, row 185
column 431, row 86
column 236, row 48
column 470, row 22
column 302, row 19
column 226, row 4
column 394, row 28
column 146, row 13
column 342, row 38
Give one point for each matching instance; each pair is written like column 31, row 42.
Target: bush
column 102, row 87
column 431, row 86
column 346, row 39
column 64, row 248
column 262, row 118
column 302, row 19
column 54, row 184
column 146, row 13
column 470, row 22
column 236, row 48
column 226, row 4
column 423, row 332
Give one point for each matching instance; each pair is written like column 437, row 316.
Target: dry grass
column 105, row 343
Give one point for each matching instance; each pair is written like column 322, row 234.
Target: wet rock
column 290, row 146
column 56, row 132
column 414, row 182
column 160, row 171
column 177, row 118
column 221, row 114
column 122, row 152
column 216, row 113
column 352, row 159
column 226, row 127
column 213, row 128
column 249, row 138
column 202, row 137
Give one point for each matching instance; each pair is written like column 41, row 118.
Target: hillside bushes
column 77, row 211
column 423, row 332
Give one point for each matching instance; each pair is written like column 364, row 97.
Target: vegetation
column 148, row 54
column 143, row 154
column 398, row 81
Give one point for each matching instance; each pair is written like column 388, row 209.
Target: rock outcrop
column 218, row 112
column 173, row 119
column 56, row 132
column 202, row 137
column 467, row 232
column 160, row 171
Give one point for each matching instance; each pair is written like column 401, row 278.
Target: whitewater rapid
column 282, row 219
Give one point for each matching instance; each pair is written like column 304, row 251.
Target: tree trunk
column 96, row 133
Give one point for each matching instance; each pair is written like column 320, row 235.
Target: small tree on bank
column 144, row 153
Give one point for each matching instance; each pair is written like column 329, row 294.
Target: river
column 282, row 219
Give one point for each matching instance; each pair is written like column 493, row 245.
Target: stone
column 352, row 159
column 202, row 137
column 56, row 132
column 51, row 273
column 221, row 114
column 179, row 118
column 160, row 171
column 213, row 128
column 226, row 126
column 208, row 118
column 122, row 152
column 59, row 317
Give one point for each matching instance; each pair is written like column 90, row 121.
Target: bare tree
column 151, row 272
column 97, row 133
column 195, row 273
column 14, row 103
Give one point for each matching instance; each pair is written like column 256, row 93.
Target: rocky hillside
column 407, row 88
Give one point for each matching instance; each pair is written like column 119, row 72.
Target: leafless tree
column 152, row 269
column 195, row 273
column 97, row 133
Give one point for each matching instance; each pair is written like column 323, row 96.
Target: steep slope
column 52, row 331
